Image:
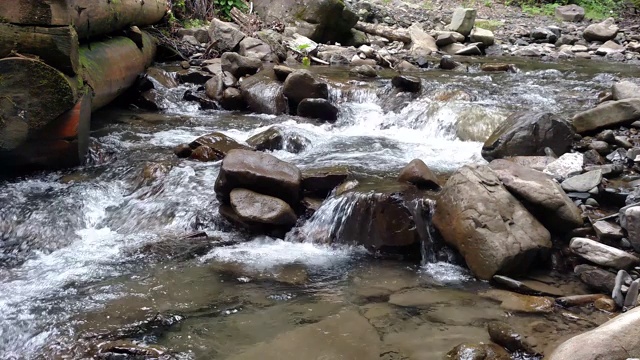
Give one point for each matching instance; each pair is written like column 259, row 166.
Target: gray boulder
column 625, row 90
column 263, row 94
column 320, row 109
column 279, row 138
column 528, row 134
column 225, row 35
column 302, row 84
column 239, row 65
column 604, row 31
column 257, row 49
column 596, row 278
column 602, row 254
column 584, row 182
column 483, row 36
column 422, row 44
column 540, row 194
column 611, row 113
column 259, row 172
column 487, row 225
column 572, row 13
column 253, row 207
column 463, row 21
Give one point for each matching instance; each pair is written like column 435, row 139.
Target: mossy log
column 56, row 46
column 90, row 18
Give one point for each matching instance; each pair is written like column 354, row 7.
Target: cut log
column 56, row 46
column 90, row 17
column 111, row 67
column 384, row 31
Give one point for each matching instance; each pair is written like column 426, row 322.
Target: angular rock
column 596, row 278
column 447, row 63
column 320, row 109
column 528, row 134
column 470, row 50
column 632, row 225
column 321, row 182
column 452, row 49
column 419, row 174
column 232, row 99
column 407, row 83
column 504, row 335
column 259, row 172
column 622, row 279
column 255, row 48
column 302, row 84
column 544, row 35
column 263, row 94
column 217, row 146
column 565, row 166
column 520, row 303
column 213, row 88
column 608, row 231
column 483, row 36
column 604, row 31
column 279, row 138
column 491, row 229
column 257, row 208
column 584, row 182
column 610, row 47
column 608, row 114
column 463, row 21
column 479, row 351
column 540, row 194
column 602, row 254
column 239, row 65
column 618, row 338
column 445, row 39
column 364, row 71
column 225, row 35
column 422, row 44
column 572, row 12
column 625, row 90
column 282, row 72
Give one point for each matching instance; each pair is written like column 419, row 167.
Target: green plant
column 306, row 61
column 224, row 7
column 193, row 23
column 488, row 3
column 489, row 24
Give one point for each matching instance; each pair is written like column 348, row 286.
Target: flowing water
column 72, row 268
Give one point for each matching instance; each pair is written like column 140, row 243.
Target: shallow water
column 69, row 240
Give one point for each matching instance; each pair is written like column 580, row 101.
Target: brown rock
column 320, row 182
column 264, row 209
column 419, row 174
column 521, row 303
column 217, row 146
column 504, row 335
column 605, row 303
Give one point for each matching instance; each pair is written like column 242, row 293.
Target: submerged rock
column 407, row 83
column 492, row 230
column 478, row 351
column 521, row 303
column 528, row 134
column 503, row 334
column 259, row 172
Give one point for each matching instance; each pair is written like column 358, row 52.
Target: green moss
column 489, row 24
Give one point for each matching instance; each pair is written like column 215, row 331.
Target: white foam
column 446, row 273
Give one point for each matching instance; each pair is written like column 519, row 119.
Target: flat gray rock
column 602, row 254
column 583, row 182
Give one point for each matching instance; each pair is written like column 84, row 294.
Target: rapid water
column 69, row 240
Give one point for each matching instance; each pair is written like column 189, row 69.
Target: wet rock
column 504, row 335
column 200, row 98
column 520, row 303
column 605, row 304
column 452, row 49
column 608, row 114
column 407, row 83
column 218, row 146
column 584, row 182
column 602, row 254
column 257, row 49
column 182, row 150
column 463, row 21
column 540, row 194
column 527, row 134
column 193, row 77
column 347, row 334
column 321, row 182
column 533, row 162
column 579, row 300
column 225, row 35
column 490, row 228
column 483, row 36
column 419, row 174
column 320, row 109
column 604, row 31
column 422, row 44
column 282, row 72
column 565, row 166
column 252, row 207
column 263, row 94
column 570, row 12
column 364, row 71
column 601, row 147
column 259, row 172
column 310, row 206
column 239, row 65
column 618, row 338
column 204, row 154
column 123, row 349
column 445, row 39
column 447, row 63
column 278, row 138
column 478, row 351
column 302, row 84
column 608, row 231
column 625, row 90
column 527, row 286
column 161, row 77
column 632, row 224
column 498, row 67
column 291, row 274
column 214, row 87
column 622, row 279
column 596, row 278
column 232, row 99
column 470, row 50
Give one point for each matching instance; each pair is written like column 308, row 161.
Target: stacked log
column 50, row 82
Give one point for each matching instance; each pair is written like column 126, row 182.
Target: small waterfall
column 352, row 217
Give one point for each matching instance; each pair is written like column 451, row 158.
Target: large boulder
column 302, row 84
column 252, row 207
column 259, row 172
column 215, row 146
column 604, row 31
column 463, row 21
column 279, row 138
column 239, row 65
column 540, row 194
column 490, row 228
column 263, row 94
column 320, row 20
column 608, row 114
column 320, row 109
column 225, row 35
column 572, row 12
column 618, row 338
column 528, row 134
column 257, row 49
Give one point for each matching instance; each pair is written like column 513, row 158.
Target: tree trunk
column 384, row 31
column 56, row 46
column 89, row 17
column 111, row 67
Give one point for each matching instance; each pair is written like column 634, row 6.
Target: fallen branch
column 312, row 58
column 384, row 31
